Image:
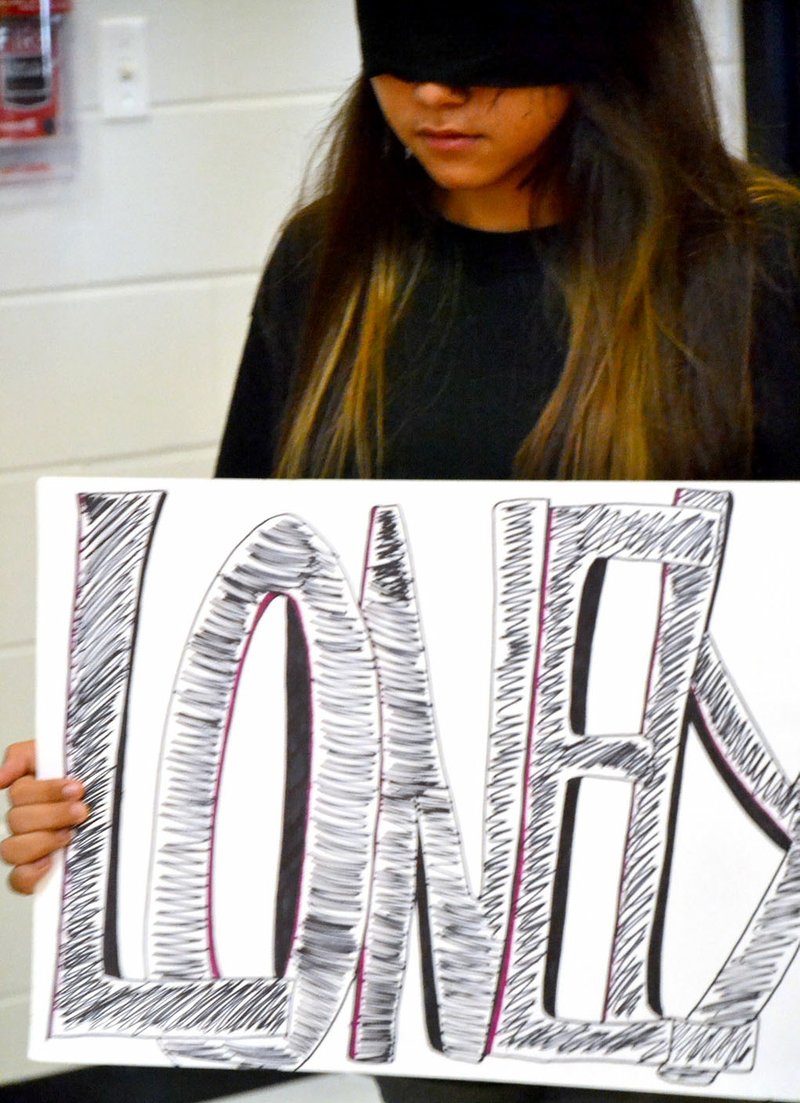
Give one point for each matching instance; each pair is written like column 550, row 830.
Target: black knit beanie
column 500, row 43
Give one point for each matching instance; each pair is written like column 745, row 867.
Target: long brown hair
column 659, row 274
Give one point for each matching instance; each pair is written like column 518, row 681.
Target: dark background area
column 138, row 1085
column 772, row 66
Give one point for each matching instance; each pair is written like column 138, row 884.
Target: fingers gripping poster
column 481, row 781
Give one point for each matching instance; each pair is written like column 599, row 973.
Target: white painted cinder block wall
column 124, row 295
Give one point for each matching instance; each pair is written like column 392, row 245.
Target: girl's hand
column 42, row 817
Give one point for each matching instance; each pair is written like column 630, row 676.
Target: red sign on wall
column 30, row 70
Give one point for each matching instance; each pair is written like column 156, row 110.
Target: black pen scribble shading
column 370, row 829
column 114, row 537
column 115, row 532
column 284, row 557
column 418, row 836
column 183, row 1001
column 689, row 542
column 766, row 949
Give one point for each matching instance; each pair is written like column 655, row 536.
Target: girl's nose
column 440, row 95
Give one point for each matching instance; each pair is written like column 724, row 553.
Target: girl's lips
column 448, row 140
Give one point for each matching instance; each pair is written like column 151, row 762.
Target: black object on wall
column 772, row 76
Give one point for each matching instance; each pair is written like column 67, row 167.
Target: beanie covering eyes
column 499, row 43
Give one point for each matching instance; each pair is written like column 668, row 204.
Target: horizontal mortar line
column 70, row 468
column 219, row 103
column 99, row 288
column 12, row 1001
column 279, row 99
column 17, row 649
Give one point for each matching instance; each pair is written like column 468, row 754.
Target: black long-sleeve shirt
column 476, row 356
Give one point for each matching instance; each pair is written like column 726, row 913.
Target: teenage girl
column 530, row 256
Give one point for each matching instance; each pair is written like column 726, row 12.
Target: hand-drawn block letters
column 370, row 829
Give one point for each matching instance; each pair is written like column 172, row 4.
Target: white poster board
column 469, row 780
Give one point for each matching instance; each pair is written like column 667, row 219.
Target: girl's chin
column 458, row 181
column 464, row 177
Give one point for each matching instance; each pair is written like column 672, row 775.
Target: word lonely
column 370, row 833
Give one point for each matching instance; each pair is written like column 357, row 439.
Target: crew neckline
column 505, row 248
